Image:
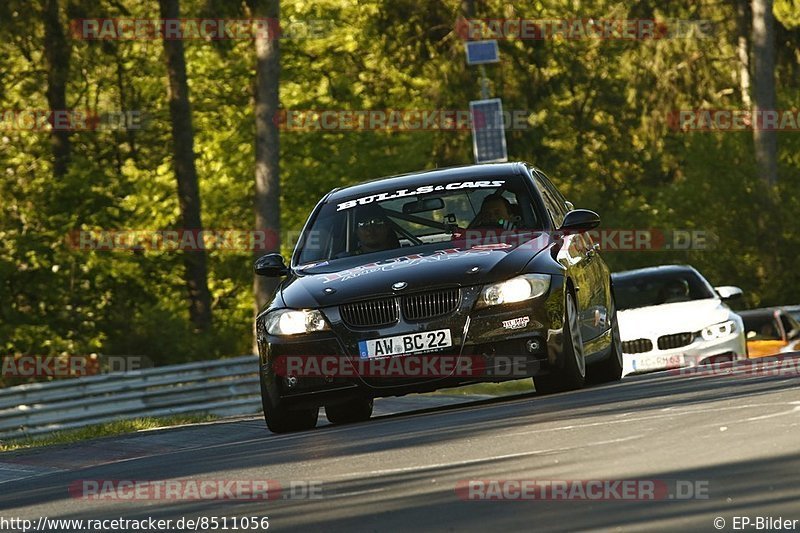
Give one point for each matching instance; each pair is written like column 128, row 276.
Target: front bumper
column 492, row 342
column 697, row 353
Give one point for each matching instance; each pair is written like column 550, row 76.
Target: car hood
column 654, row 321
column 352, row 279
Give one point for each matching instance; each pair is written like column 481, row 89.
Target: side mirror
column 271, row 266
column 727, row 292
column 580, row 220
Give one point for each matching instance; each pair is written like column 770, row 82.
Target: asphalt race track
column 731, row 436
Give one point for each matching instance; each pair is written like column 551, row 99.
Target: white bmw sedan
column 671, row 317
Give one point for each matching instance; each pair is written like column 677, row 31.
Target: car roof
column 661, row 269
column 412, row 179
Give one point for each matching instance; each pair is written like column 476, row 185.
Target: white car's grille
column 637, row 346
column 677, row 340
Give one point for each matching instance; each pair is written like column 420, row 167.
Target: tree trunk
column 267, row 190
column 743, row 50
column 195, row 270
column 57, row 55
column 766, row 142
column 468, row 8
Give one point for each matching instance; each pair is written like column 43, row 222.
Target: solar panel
column 482, row 52
column 488, row 131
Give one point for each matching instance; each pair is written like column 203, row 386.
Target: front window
column 416, row 219
column 763, row 328
column 657, row 288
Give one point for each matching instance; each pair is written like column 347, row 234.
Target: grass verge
column 519, row 386
column 118, row 427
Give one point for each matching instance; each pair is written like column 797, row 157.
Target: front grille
column 667, row 342
column 416, row 307
column 430, row 304
column 370, row 314
column 637, row 346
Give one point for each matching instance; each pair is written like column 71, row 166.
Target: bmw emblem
column 399, row 286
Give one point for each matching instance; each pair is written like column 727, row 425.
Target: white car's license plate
column 658, row 362
column 405, row 344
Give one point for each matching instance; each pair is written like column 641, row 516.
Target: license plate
column 658, row 362
column 405, row 344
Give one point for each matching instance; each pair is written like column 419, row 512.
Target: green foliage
column 599, row 126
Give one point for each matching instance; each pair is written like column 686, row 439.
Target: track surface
column 736, row 433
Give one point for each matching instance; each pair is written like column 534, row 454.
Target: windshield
column 656, row 288
column 416, row 219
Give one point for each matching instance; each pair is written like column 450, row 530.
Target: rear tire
column 279, row 419
column 610, row 368
column 570, row 374
column 349, row 412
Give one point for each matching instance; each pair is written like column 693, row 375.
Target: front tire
column 610, row 368
column 349, row 412
column 570, row 374
column 280, row 419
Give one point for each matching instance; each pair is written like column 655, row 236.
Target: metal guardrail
column 220, row 387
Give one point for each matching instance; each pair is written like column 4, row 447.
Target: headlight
column 717, row 331
column 292, row 322
column 517, row 289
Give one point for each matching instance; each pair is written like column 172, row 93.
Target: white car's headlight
column 718, row 331
column 517, row 289
column 294, row 322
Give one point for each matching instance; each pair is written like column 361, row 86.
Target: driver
column 676, row 290
column 374, row 230
column 496, row 212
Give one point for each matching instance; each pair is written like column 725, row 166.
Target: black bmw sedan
column 429, row 280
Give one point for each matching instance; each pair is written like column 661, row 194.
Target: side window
column 563, row 205
column 550, row 202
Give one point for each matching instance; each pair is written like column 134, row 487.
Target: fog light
column 533, row 345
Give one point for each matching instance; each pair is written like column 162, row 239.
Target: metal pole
column 484, row 83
